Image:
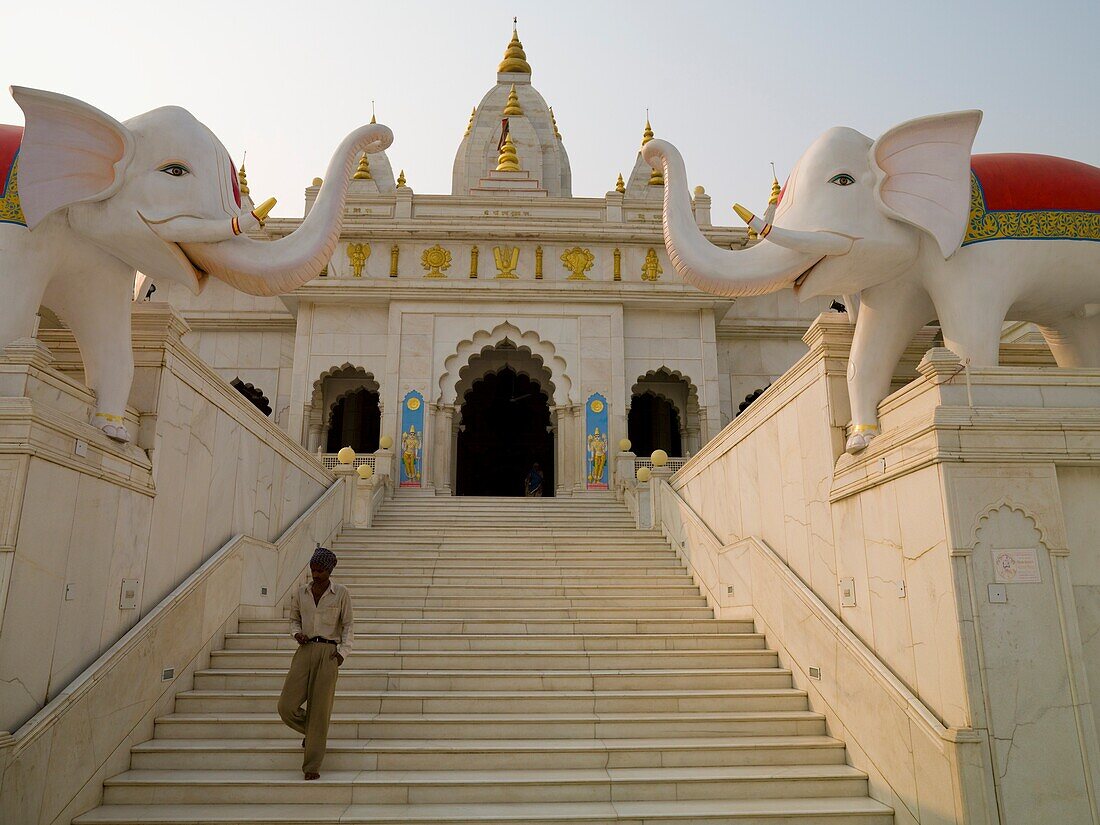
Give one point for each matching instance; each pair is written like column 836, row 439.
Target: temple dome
column 538, row 146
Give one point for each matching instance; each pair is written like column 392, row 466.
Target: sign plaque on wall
column 1016, row 566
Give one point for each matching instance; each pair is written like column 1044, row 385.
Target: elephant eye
column 843, row 179
column 176, row 170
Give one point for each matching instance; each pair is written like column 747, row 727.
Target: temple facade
column 504, row 324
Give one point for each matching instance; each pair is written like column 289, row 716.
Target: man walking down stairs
column 527, row 661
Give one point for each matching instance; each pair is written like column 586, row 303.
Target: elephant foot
column 112, row 426
column 860, row 438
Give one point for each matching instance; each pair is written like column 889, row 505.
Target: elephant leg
column 22, row 295
column 974, row 332
column 889, row 316
column 1075, row 342
column 96, row 307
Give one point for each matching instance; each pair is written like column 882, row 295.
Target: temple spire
column 512, row 107
column 515, row 60
column 242, row 180
column 776, row 189
column 509, row 159
column 401, row 179
column 647, row 134
column 620, row 186
column 656, row 177
column 363, row 172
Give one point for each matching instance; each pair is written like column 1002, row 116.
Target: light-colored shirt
column 330, row 617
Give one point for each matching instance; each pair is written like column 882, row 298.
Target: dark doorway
column 653, row 424
column 506, row 423
column 355, row 422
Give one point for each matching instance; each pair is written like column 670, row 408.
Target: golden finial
column 776, row 189
column 470, row 125
column 647, row 135
column 373, row 119
column 515, row 60
column 242, row 180
column 363, row 172
column 508, row 160
column 512, row 106
column 554, row 121
column 401, row 179
column 620, row 187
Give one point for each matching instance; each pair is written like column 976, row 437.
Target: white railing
column 673, row 464
column 330, row 461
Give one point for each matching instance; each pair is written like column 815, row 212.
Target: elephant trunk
column 764, row 268
column 281, row 266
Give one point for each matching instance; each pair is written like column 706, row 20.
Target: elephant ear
column 71, row 152
column 923, row 170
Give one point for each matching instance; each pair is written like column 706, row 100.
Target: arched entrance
column 653, row 424
column 355, row 421
column 505, row 424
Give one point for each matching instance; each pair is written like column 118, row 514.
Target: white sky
column 734, row 85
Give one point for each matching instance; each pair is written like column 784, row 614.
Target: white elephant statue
column 912, row 228
column 87, row 201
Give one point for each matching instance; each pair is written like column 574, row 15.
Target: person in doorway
column 322, row 624
column 532, row 485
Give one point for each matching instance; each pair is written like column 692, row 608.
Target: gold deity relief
column 357, row 257
column 506, row 260
column 651, row 269
column 436, row 261
column 394, row 252
column 538, row 263
column 578, row 261
column 473, row 261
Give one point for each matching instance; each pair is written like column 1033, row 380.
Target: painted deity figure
column 410, row 453
column 597, row 456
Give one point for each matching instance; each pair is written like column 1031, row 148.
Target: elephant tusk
column 261, row 212
column 817, row 242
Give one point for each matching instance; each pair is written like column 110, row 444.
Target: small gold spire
column 373, row 119
column 776, row 189
column 508, row 160
column 242, row 180
column 620, row 187
column 363, row 172
column 515, row 60
column 647, row 135
column 401, row 179
column 512, row 106
column 554, row 121
column 470, row 125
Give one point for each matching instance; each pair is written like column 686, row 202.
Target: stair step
column 490, row 754
column 502, row 642
column 626, row 679
column 511, row 660
column 582, row 627
column 803, row 811
column 178, row 787
column 507, row 726
column 506, row 702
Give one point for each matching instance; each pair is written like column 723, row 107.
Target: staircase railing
column 91, row 726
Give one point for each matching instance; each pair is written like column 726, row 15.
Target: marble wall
column 941, row 553
column 90, row 513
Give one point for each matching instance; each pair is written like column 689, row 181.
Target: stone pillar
column 442, row 428
column 577, row 450
column 624, row 472
column 660, row 475
column 690, row 438
column 563, row 451
column 456, row 427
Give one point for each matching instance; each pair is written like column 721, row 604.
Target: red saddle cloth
column 10, row 138
column 1028, row 183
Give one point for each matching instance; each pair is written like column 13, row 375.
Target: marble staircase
column 516, row 661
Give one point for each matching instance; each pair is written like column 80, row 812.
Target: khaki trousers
column 311, row 681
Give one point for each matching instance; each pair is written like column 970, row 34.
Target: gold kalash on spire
column 509, row 159
column 656, row 177
column 514, row 58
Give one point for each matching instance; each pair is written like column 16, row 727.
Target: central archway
column 505, row 425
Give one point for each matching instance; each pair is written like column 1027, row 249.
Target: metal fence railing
column 330, row 461
column 673, row 464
